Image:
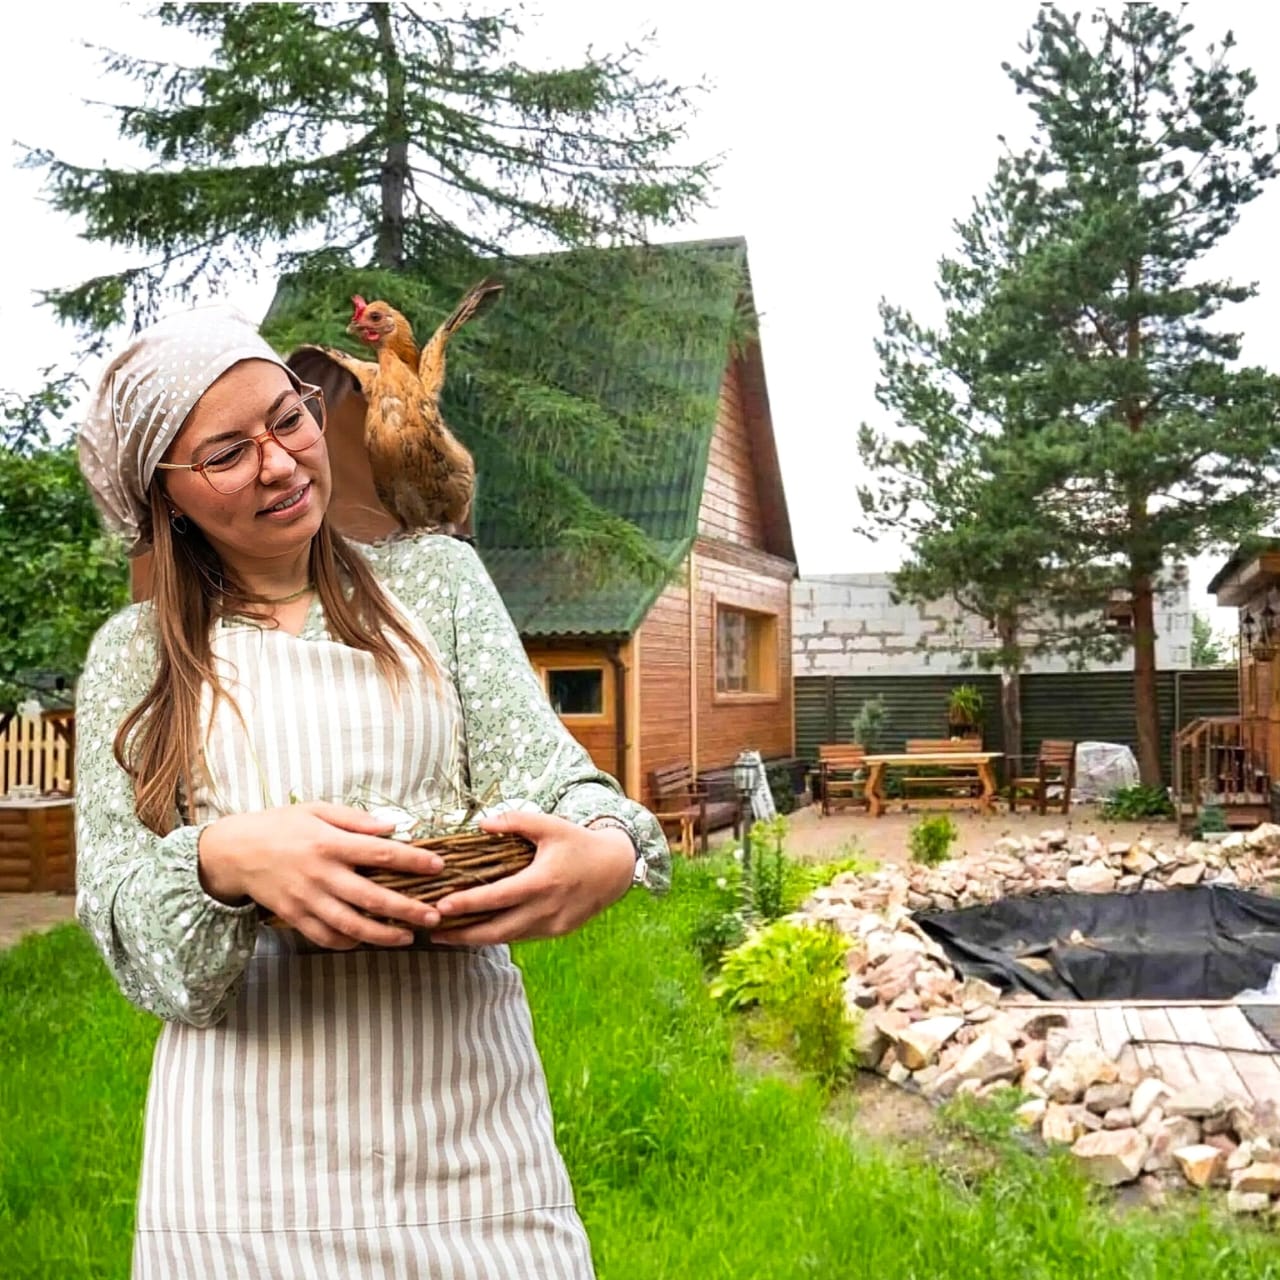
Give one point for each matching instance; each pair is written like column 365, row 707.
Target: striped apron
column 366, row 1114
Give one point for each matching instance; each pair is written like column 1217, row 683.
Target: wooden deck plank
column 1259, row 1071
column 1233, row 1029
column 1211, row 1065
column 1171, row 1061
column 1113, row 1031
column 1144, row 1053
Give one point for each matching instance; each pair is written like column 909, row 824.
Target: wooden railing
column 1213, row 763
column 36, row 753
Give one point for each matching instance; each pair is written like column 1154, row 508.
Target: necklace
column 289, row 599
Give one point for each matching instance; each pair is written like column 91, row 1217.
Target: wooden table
column 970, row 761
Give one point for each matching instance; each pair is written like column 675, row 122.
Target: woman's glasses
column 297, row 426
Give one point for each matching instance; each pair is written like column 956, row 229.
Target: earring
column 178, row 522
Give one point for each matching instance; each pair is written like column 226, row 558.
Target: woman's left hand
column 576, row 873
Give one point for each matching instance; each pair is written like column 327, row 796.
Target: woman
column 342, row 1097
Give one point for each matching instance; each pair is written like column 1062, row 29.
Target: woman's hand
column 298, row 862
column 575, row 873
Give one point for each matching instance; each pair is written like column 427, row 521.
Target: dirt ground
column 812, row 836
column 23, row 913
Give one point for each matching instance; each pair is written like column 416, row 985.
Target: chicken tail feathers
column 431, row 364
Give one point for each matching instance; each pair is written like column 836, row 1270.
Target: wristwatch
column 640, row 877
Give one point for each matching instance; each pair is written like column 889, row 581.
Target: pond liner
column 1204, row 943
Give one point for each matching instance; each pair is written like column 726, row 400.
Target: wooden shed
column 1231, row 761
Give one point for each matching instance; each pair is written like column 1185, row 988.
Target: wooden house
column 698, row 670
column 1231, row 761
column 652, row 676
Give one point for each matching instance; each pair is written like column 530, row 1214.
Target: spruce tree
column 402, row 151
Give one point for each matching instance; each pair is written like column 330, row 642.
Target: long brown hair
column 159, row 743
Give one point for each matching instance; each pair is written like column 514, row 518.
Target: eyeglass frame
column 308, row 393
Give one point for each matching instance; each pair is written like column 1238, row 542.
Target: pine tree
column 1208, row 649
column 948, row 475
column 1153, row 444
column 1130, row 438
column 398, row 150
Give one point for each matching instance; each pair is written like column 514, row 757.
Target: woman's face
column 240, row 526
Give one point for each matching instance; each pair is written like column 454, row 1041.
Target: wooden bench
column 680, row 800
column 1055, row 766
column 968, row 784
column 842, row 775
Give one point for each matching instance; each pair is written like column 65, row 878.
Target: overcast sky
column 851, row 143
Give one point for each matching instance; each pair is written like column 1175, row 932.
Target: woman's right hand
column 298, row 861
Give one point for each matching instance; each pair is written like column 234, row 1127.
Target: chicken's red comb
column 360, row 304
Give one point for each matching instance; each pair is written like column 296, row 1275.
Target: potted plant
column 964, row 711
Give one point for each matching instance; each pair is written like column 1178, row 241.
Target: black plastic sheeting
column 1178, row 944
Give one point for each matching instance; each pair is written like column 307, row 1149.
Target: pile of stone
column 922, row 1025
column 1053, row 862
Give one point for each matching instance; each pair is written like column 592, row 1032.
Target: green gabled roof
column 543, row 601
column 705, row 283
column 661, row 496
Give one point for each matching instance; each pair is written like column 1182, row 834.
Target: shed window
column 576, row 691
column 746, row 652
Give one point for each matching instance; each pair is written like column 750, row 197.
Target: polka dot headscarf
column 144, row 398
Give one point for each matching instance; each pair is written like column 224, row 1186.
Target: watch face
column 641, row 876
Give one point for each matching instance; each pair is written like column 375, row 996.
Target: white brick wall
column 847, row 624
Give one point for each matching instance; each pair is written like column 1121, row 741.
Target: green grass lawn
column 684, row 1166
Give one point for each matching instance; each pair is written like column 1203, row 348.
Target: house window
column 746, row 652
column 576, row 691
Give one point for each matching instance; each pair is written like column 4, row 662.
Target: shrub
column 782, row 787
column 870, row 722
column 792, row 976
column 715, row 932
column 931, row 839
column 1212, row 819
column 1130, row 804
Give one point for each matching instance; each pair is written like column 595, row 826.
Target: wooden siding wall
column 730, row 509
column 1259, row 704
column 666, row 734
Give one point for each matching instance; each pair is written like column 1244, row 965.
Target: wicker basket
column 471, row 858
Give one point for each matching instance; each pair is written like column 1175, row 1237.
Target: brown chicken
column 422, row 474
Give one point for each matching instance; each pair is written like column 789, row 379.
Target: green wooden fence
column 1084, row 706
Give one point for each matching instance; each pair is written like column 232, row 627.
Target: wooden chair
column 679, row 799
column 842, row 775
column 1055, row 766
column 965, row 784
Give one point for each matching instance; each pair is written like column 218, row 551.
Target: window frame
column 767, row 662
column 606, row 716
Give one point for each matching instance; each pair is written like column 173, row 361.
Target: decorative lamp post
column 1247, row 628
column 744, row 781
